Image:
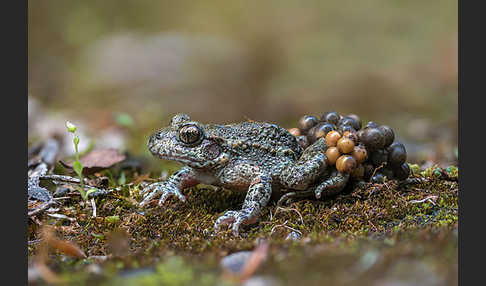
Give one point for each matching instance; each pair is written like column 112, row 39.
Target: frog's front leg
column 256, row 198
column 311, row 165
column 184, row 178
column 333, row 185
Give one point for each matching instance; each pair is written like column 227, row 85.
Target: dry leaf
column 97, row 160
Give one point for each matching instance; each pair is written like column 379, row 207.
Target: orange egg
column 345, row 164
column 332, row 154
column 360, row 154
column 295, row 131
column 332, row 138
column 345, row 145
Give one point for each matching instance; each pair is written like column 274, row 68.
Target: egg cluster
column 365, row 153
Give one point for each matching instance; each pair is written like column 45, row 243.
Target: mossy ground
column 354, row 238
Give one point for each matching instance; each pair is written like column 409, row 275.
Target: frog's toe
column 147, row 198
column 227, row 219
column 165, row 195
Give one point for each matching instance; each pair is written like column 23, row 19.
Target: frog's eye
column 190, row 134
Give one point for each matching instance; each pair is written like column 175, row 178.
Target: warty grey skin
column 256, row 157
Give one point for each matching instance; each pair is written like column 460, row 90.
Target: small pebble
column 378, row 178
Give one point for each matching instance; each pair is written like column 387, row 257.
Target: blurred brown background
column 393, row 62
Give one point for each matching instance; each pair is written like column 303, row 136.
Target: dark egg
column 320, row 131
column 356, row 118
column 331, row 117
column 373, row 139
column 402, row 172
column 307, row 122
column 351, row 122
column 397, row 155
column 378, row 157
column 388, row 134
column 346, row 128
column 371, row 124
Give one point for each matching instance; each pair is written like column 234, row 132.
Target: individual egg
column 295, row 131
column 378, row 178
column 373, row 139
column 331, row 117
column 397, row 154
column 402, row 172
column 346, row 128
column 332, row 154
column 359, row 153
column 345, row 164
column 388, row 134
column 349, row 121
column 307, row 122
column 303, row 141
column 320, row 131
column 378, row 157
column 332, row 138
column 358, row 172
column 345, row 145
column 371, row 124
column 357, row 119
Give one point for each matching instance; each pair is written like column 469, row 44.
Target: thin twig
column 41, row 208
column 93, row 204
column 291, row 209
column 286, row 226
column 429, row 198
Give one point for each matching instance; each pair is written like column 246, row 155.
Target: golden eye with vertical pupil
column 190, row 134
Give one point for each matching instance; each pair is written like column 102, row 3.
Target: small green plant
column 77, row 165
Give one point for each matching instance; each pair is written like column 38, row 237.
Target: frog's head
column 185, row 141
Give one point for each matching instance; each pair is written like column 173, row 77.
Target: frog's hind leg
column 258, row 195
column 333, row 185
column 291, row 197
column 311, row 165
